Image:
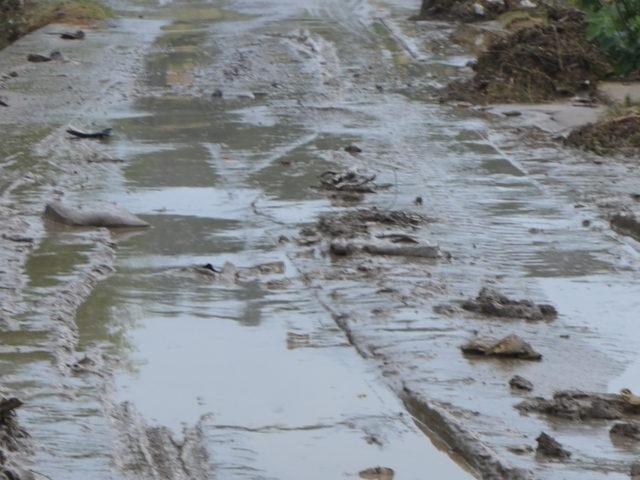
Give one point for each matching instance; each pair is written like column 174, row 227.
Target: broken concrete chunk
column 626, row 429
column 551, row 448
column 511, row 346
column 109, row 216
column 520, row 383
column 490, row 302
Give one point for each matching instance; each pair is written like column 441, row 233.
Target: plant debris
column 536, row 63
column 609, row 136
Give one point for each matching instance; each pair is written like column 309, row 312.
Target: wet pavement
column 132, row 361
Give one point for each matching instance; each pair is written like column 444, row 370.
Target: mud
column 549, row 447
column 490, row 302
column 535, row 64
column 580, row 406
column 609, row 136
column 132, row 365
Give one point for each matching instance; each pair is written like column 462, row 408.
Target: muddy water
column 246, row 374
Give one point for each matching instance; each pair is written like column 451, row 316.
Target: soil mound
column 536, row 63
column 609, row 136
column 465, row 10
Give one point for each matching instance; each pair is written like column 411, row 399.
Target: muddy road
column 321, row 341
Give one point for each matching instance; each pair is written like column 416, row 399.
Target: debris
column 542, row 61
column 77, row 35
column 609, row 136
column 109, row 216
column 490, row 302
column 350, row 181
column 629, row 430
column 512, row 113
column 82, row 134
column 377, row 473
column 549, row 447
column 38, row 58
column 520, row 383
column 353, row 149
column 511, row 346
column 356, row 222
column 418, row 201
column 577, row 406
column 217, row 93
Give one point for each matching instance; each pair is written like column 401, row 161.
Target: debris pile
column 492, row 303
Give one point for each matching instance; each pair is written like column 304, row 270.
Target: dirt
column 549, row 447
column 580, row 406
column 535, row 64
column 359, row 222
column 492, row 303
column 464, row 10
column 520, row 383
column 609, row 136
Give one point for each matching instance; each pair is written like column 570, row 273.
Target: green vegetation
column 615, row 26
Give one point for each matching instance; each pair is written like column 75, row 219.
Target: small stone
column 217, row 93
column 418, row 201
column 341, row 248
column 377, row 473
column 520, row 383
column 586, row 223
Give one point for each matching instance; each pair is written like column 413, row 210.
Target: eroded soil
column 264, row 325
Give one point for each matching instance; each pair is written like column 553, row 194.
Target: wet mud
column 262, row 319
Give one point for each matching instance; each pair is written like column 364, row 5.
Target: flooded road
column 282, row 360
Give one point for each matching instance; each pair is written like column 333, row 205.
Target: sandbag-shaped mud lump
column 109, row 216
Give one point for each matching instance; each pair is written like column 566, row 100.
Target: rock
column 8, row 405
column 217, row 93
column 520, row 383
column 3, row 103
column 490, row 302
column 578, row 406
column 109, row 216
column 418, row 201
column 352, row 149
column 377, row 473
column 549, row 447
column 626, row 429
column 511, row 346
column 56, row 55
column 512, row 113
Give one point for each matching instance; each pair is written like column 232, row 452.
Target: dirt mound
column 609, row 136
column 536, row 63
column 466, row 10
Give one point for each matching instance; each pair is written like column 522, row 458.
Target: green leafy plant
column 615, row 26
